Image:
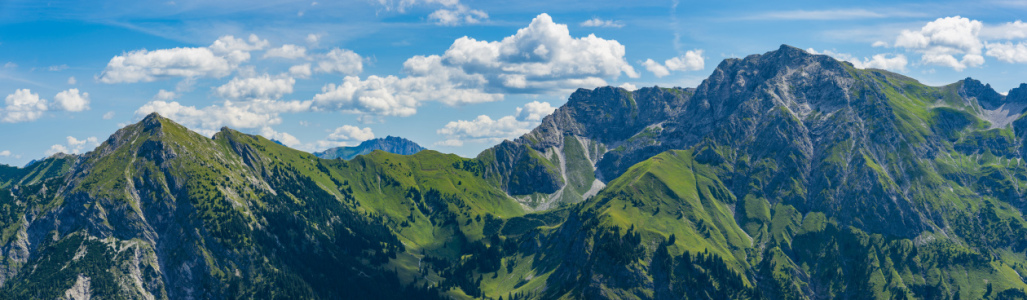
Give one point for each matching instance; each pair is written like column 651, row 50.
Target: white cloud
column 892, row 62
column 301, row 71
column 57, row 148
column 164, row 95
column 283, row 137
column 394, row 96
column 313, row 39
column 534, row 111
column 484, row 129
column 287, row 51
column 693, row 60
column 897, row 62
column 597, row 22
column 23, row 106
column 237, row 50
column 351, row 133
column 941, row 40
column 342, row 136
column 263, row 87
column 216, row 61
column 458, row 14
column 71, row 80
column 57, row 68
column 541, row 58
column 74, row 146
column 958, row 42
column 1008, row 52
column 10, row 65
column 1007, row 31
column 655, row 67
column 109, row 115
column 239, row 115
column 142, row 65
column 340, row 61
column 72, row 100
column 452, row 12
column 628, row 86
column 880, row 44
column 5, row 153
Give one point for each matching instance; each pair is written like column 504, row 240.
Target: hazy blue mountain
column 389, row 144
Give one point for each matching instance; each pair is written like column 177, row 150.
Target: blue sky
column 457, row 76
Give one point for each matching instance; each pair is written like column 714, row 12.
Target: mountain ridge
column 784, row 175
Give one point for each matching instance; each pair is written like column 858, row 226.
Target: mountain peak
column 984, row 93
column 391, row 144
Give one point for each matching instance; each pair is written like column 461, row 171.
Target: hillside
column 783, row 175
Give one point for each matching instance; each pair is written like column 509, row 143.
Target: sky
column 457, row 76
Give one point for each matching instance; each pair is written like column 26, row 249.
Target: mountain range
column 389, row 144
column 784, row 175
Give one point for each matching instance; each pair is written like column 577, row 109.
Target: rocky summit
column 784, row 175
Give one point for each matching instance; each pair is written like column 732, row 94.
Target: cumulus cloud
column 217, row 60
column 165, row 95
column 341, row 61
column 542, row 54
column 351, row 133
column 960, row 43
column 237, row 50
column 951, row 42
column 143, row 65
column 22, row 106
column 5, row 153
column 458, row 14
column 693, row 60
column 282, row 137
column 301, row 71
column 541, row 58
column 72, row 100
column 74, row 146
column 451, row 13
column 264, row 87
column 484, row 129
column 287, row 51
column 1008, row 31
column 429, row 80
column 313, row 39
column 109, row 115
column 628, row 86
column 597, row 22
column 71, row 80
column 1008, row 52
column 893, row 62
column 240, row 115
column 656, row 68
column 534, row 111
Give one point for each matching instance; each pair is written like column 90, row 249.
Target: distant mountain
column 389, row 144
column 784, row 175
